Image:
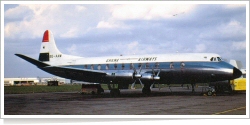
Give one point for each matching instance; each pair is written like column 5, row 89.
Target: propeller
column 157, row 77
column 133, row 85
column 136, row 76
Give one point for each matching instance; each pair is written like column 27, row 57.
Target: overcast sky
column 113, row 29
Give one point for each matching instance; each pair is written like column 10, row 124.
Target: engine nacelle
column 149, row 76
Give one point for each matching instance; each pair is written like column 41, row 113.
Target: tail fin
column 48, row 48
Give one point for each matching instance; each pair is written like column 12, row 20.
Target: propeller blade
column 158, row 72
column 134, row 68
column 152, row 85
column 133, row 85
column 141, row 83
column 140, row 69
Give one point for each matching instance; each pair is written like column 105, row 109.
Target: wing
column 75, row 73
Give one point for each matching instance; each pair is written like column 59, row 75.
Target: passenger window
column 157, row 65
column 86, row 66
column 107, row 66
column 139, row 66
column 147, row 65
column 92, row 66
column 182, row 64
column 99, row 67
column 131, row 66
column 115, row 66
column 171, row 65
column 123, row 66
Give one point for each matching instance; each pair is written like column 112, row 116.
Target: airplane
column 147, row 69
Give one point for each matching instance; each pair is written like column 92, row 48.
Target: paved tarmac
column 181, row 101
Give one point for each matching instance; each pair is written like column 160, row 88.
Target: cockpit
column 215, row 59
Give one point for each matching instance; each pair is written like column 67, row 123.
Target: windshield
column 215, row 59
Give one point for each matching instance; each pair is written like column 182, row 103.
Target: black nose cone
column 236, row 73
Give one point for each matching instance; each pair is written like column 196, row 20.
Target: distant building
column 32, row 81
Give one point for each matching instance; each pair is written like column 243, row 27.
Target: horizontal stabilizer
column 33, row 61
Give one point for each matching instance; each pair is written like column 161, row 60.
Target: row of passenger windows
column 129, row 66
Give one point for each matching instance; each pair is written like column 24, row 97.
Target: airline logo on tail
column 46, row 36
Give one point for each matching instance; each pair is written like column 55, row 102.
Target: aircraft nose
column 236, row 73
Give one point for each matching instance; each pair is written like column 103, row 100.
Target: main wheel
column 209, row 93
column 114, row 92
column 146, row 91
column 99, row 91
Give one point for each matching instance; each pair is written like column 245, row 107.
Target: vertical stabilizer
column 48, row 47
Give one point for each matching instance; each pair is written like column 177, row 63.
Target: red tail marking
column 46, row 36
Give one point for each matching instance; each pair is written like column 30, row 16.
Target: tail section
column 48, row 49
column 49, row 54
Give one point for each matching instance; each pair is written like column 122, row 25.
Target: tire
column 115, row 92
column 209, row 93
column 100, row 90
column 112, row 92
column 146, row 91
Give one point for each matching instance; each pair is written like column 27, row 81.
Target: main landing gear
column 193, row 87
column 114, row 92
column 146, row 90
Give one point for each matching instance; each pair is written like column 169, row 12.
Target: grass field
column 60, row 88
column 44, row 89
column 40, row 89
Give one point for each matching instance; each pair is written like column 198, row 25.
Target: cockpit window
column 219, row 59
column 212, row 59
column 215, row 59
